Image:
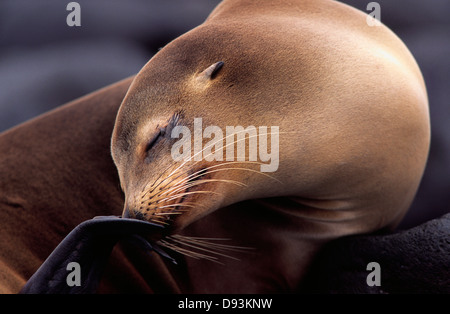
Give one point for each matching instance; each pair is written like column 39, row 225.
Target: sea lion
column 351, row 108
column 56, row 172
column 56, row 175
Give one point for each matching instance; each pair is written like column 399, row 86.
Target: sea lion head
column 346, row 147
column 178, row 104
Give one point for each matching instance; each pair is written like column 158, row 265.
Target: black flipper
column 89, row 245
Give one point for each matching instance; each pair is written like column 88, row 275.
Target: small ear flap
column 210, row 72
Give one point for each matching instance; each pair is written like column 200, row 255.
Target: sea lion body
column 56, row 172
column 349, row 101
column 352, row 111
column 351, row 107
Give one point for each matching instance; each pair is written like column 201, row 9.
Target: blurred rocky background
column 45, row 63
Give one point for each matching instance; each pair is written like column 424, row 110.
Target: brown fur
column 56, row 171
column 351, row 97
column 352, row 94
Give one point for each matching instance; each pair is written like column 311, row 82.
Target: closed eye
column 173, row 121
column 160, row 133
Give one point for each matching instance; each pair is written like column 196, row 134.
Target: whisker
column 187, row 204
column 176, row 205
column 177, row 249
column 158, row 221
column 167, row 168
column 223, row 147
column 203, row 242
column 189, row 193
column 172, row 197
column 199, row 172
column 234, row 142
column 167, row 213
column 222, row 139
column 202, row 172
column 245, row 169
column 189, row 253
column 192, row 184
column 154, row 187
column 201, row 248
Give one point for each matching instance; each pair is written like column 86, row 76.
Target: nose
column 130, row 213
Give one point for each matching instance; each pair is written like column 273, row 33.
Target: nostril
column 127, row 213
column 139, row 215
